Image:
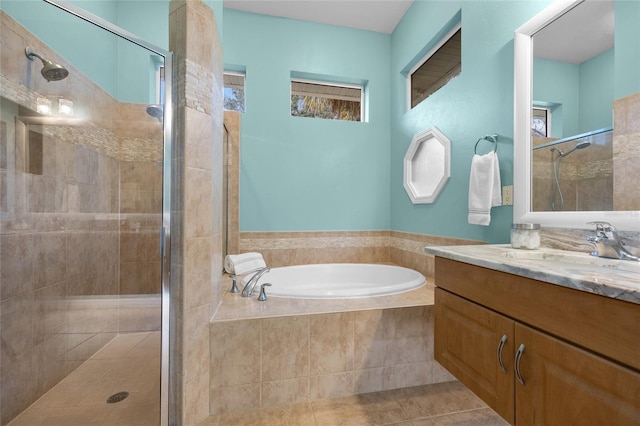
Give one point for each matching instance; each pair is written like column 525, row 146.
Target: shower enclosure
column 84, row 219
column 574, row 173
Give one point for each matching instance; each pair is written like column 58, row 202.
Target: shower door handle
column 162, row 234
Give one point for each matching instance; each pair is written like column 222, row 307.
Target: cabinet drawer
column 604, row 325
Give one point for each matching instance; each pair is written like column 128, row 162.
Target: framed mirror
column 427, row 166
column 558, row 137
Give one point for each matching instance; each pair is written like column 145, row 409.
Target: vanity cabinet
column 567, row 372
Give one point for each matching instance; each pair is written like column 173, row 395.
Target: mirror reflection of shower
column 50, row 70
column 156, row 111
column 557, row 191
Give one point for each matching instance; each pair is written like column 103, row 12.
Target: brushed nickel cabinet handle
column 517, row 363
column 500, row 347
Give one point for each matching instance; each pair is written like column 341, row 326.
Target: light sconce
column 43, row 106
column 65, row 107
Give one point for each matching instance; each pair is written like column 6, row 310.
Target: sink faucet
column 608, row 244
column 248, row 289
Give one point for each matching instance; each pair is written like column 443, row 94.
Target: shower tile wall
column 626, row 153
column 61, row 252
column 196, row 211
column 586, row 177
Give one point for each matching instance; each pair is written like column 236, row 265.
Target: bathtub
column 339, row 280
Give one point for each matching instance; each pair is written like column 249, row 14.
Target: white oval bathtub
column 339, row 280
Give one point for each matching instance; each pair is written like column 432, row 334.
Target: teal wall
column 477, row 102
column 596, row 92
column 556, row 85
column 304, row 174
column 627, row 41
column 580, row 95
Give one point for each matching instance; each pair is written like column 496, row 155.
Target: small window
column 437, row 68
column 234, row 91
column 332, row 101
column 540, row 122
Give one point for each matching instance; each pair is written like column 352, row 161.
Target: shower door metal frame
column 166, row 185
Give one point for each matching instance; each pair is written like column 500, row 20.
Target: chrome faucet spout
column 251, row 284
column 608, row 244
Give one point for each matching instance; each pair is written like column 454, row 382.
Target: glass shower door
column 82, row 172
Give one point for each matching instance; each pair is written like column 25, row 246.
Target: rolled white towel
column 238, row 264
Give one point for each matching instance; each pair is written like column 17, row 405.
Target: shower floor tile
column 131, row 363
column 439, row 404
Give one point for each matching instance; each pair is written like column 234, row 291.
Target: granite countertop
column 618, row 279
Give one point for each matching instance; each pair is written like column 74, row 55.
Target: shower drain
column 117, row 397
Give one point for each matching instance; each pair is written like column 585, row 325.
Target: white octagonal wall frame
column 427, row 166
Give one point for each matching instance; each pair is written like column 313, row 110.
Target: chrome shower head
column 156, row 111
column 50, row 71
column 579, row 145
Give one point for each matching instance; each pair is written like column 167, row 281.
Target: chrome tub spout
column 251, row 284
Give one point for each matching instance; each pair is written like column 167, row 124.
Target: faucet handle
column 604, row 229
column 234, row 284
column 263, row 293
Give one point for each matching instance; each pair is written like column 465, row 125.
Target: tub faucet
column 608, row 244
column 248, row 289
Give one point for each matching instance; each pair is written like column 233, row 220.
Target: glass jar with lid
column 525, row 236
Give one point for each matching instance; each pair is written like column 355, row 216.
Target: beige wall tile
column 283, row 392
column 235, row 353
column 198, row 271
column 235, row 398
column 198, row 203
column 285, row 348
column 374, row 339
column 331, row 343
column 331, row 385
column 374, row 379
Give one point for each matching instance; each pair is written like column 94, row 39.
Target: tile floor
column 439, row 404
column 129, row 362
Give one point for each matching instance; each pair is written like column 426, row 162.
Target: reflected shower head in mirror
column 156, row 111
column 50, row 71
column 579, row 145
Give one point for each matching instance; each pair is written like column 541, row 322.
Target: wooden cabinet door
column 467, row 340
column 565, row 385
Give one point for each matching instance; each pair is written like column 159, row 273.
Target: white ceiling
column 580, row 34
column 374, row 15
column 591, row 23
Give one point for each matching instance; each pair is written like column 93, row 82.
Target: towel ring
column 491, row 138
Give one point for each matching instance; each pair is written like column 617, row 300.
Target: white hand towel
column 484, row 188
column 238, row 264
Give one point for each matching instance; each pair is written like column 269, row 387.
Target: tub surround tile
column 235, row 307
column 235, row 349
column 331, row 385
column 306, row 357
column 284, row 348
column 332, row 349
